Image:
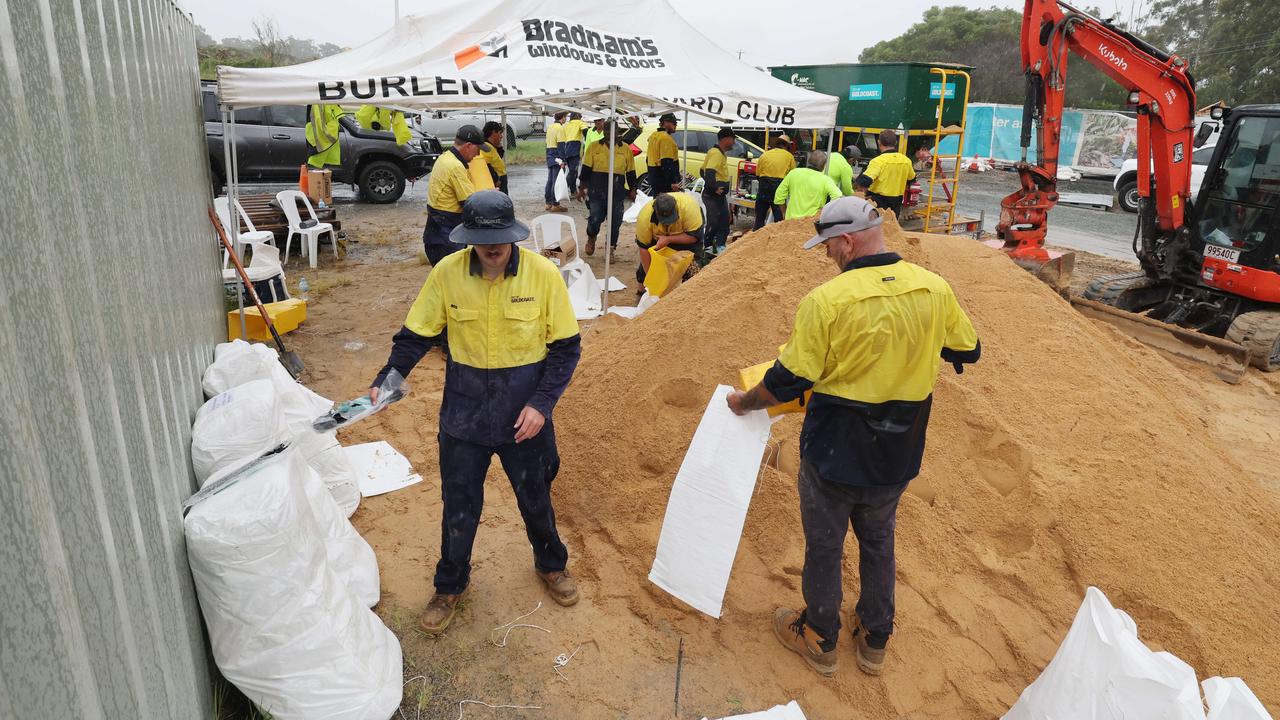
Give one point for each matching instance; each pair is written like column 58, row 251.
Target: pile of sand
column 1067, row 457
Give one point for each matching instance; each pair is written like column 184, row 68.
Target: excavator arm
column 1160, row 89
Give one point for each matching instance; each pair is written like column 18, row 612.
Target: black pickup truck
column 271, row 144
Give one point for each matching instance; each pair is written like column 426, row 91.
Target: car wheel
column 645, row 184
column 1129, row 196
column 511, row 138
column 381, row 182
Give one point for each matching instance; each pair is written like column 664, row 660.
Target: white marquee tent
column 618, row 58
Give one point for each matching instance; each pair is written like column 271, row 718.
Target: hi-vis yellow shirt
column 573, row 130
column 661, row 147
column 553, row 135
column 889, row 172
column 493, row 159
column 690, row 220
column 505, row 323
column 597, row 158
column 450, row 183
column 775, row 163
column 875, row 334
column 716, row 160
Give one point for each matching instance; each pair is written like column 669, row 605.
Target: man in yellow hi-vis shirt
column 715, row 190
column 804, row 191
column 595, row 184
column 672, row 220
column 503, row 315
column 886, row 176
column 494, row 153
column 447, row 189
column 322, row 135
column 869, row 344
column 554, row 161
column 771, row 168
column 662, row 157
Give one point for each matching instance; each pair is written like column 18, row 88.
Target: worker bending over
column 663, row 157
column 840, row 168
column 503, row 317
column 595, row 185
column 571, row 149
column 771, row 168
column 554, row 162
column 447, row 189
column 805, row 190
column 373, row 117
column 672, row 220
column 868, row 343
column 494, row 153
column 715, row 191
column 887, row 175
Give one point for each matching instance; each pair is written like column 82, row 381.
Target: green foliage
column 1231, row 46
column 265, row 49
column 990, row 41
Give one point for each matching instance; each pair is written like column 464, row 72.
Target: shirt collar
column 458, row 155
column 885, row 258
column 513, row 265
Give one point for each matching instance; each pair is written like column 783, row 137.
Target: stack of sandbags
column 238, row 362
column 285, row 626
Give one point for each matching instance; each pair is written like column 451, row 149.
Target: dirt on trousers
column 1068, row 456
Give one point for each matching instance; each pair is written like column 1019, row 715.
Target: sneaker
column 439, row 613
column 563, row 588
column 591, row 245
column 558, row 208
column 795, row 635
column 870, row 659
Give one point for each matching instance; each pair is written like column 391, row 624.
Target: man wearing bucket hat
column 448, row 187
column 868, row 343
column 503, row 316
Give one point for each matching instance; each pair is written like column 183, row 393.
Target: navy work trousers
column 764, row 202
column 826, row 510
column 598, row 209
column 552, row 168
column 717, row 221
column 530, row 467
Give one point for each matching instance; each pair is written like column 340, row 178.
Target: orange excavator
column 1210, row 270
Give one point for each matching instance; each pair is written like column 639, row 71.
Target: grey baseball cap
column 844, row 215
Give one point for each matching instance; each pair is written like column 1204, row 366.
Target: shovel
column 288, row 358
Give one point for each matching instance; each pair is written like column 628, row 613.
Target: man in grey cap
column 502, row 314
column 868, row 344
column 447, row 189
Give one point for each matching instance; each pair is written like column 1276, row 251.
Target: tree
column 203, row 39
column 990, row 41
column 266, row 33
column 267, row 48
column 1231, row 46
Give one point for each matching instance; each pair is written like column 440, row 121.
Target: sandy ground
column 358, row 303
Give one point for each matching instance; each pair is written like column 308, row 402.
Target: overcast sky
column 816, row 31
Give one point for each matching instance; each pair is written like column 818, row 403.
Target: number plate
column 1222, row 253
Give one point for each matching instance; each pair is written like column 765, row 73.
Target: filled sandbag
column 245, row 421
column 283, row 627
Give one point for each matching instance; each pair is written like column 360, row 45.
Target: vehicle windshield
column 1239, row 209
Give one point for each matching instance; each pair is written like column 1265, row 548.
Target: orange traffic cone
column 303, row 185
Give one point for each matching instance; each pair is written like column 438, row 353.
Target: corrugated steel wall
column 111, row 307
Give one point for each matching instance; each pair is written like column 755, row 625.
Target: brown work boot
column 439, row 613
column 795, row 635
column 558, row 208
column 591, row 245
column 563, row 588
column 870, row 659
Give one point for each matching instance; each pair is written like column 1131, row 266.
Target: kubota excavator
column 1210, row 270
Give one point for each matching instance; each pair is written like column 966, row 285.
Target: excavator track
column 1259, row 333
column 1110, row 289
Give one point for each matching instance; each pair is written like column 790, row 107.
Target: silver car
column 445, row 125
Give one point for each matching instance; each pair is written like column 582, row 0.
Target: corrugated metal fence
column 111, row 307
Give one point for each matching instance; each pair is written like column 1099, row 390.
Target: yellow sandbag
column 666, row 268
column 751, row 376
column 479, row 171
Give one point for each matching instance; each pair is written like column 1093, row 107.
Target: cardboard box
column 320, row 186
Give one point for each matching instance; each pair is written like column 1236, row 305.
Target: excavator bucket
column 1227, row 359
column 1054, row 268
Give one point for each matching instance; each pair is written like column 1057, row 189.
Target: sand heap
column 1067, row 457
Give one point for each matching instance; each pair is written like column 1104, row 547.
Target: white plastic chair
column 263, row 265
column 250, row 236
column 546, row 233
column 309, row 237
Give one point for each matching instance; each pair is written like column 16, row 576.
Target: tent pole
column 233, row 201
column 608, row 215
column 684, row 151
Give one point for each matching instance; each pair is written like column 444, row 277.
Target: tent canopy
column 534, row 54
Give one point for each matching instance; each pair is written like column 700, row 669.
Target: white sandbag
column 324, row 454
column 1103, row 671
column 790, row 711
column 284, row 629
column 1231, row 699
column 562, row 184
column 242, row 422
column 633, row 213
column 584, row 289
column 350, row 557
